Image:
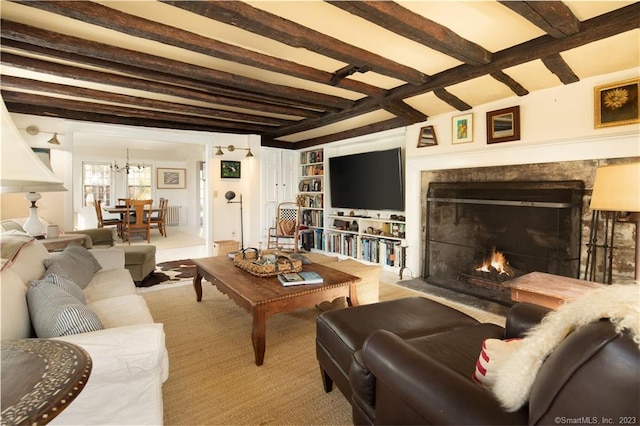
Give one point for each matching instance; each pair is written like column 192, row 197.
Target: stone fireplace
column 480, row 235
column 534, row 217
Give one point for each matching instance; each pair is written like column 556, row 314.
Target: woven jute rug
column 213, row 379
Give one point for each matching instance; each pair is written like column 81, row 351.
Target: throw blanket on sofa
column 619, row 303
column 11, row 244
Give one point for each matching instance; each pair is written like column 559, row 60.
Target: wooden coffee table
column 264, row 297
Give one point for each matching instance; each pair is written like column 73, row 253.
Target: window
column 96, row 183
column 139, row 183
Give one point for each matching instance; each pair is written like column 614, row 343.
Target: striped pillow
column 55, row 313
column 493, row 354
column 65, row 283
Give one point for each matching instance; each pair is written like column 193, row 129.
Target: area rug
column 213, row 379
column 175, row 271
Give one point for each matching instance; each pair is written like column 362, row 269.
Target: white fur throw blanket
column 619, row 303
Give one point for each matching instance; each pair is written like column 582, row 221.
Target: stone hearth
column 571, row 256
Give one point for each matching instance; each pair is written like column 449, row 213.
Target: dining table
column 122, row 210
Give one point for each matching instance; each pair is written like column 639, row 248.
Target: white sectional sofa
column 128, row 352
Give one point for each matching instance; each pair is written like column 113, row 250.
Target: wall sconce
column 33, row 131
column 232, row 148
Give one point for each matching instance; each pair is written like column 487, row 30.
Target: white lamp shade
column 22, row 170
column 617, row 188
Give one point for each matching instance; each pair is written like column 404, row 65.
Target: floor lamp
column 230, row 195
column 617, row 189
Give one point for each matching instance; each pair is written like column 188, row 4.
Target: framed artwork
column 171, row 178
column 230, row 169
column 462, row 128
column 503, row 125
column 427, row 137
column 616, row 104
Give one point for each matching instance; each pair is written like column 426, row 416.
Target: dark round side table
column 40, row 378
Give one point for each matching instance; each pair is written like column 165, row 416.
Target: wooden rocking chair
column 285, row 232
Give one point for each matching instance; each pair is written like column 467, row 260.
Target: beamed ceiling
column 299, row 73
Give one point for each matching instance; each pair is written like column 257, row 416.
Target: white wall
column 556, row 125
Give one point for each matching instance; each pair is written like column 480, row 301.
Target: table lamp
column 22, row 171
column 617, row 189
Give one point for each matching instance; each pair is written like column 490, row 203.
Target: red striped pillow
column 494, row 352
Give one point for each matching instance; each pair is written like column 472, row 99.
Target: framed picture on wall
column 427, row 137
column 230, row 169
column 617, row 104
column 462, row 128
column 503, row 125
column 171, row 178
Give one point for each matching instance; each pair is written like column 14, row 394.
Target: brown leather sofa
column 593, row 377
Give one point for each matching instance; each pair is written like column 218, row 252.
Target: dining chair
column 102, row 223
column 160, row 220
column 138, row 220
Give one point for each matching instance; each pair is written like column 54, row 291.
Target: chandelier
column 116, row 168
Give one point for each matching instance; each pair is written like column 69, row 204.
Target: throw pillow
column 64, row 283
column 286, row 227
column 494, row 353
column 78, row 263
column 11, row 225
column 56, row 313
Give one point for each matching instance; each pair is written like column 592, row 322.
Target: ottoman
column 140, row 260
column 340, row 333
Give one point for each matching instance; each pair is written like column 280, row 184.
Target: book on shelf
column 300, row 278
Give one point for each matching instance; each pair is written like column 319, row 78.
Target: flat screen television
column 368, row 180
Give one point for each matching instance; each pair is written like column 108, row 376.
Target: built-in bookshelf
column 311, row 184
column 373, row 240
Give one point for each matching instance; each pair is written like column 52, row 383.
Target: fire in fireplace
column 481, row 235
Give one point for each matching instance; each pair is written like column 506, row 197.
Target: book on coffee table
column 299, row 278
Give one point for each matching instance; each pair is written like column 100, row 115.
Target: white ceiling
column 487, row 23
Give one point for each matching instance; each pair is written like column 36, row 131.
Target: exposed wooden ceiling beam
column 48, row 39
column 121, row 111
column 452, row 99
column 106, row 17
column 235, row 98
column 598, row 28
column 515, row 87
column 90, row 116
column 553, row 17
column 381, row 126
column 258, row 21
column 136, row 101
column 411, row 25
column 559, row 67
column 402, row 110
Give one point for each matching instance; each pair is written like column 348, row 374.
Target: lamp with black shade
column 616, row 190
column 230, row 195
column 22, row 171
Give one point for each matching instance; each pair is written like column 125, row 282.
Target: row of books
column 311, row 157
column 313, row 218
column 375, row 250
column 314, row 170
column 310, row 185
column 312, row 201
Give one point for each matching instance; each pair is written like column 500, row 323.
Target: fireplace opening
column 481, row 235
